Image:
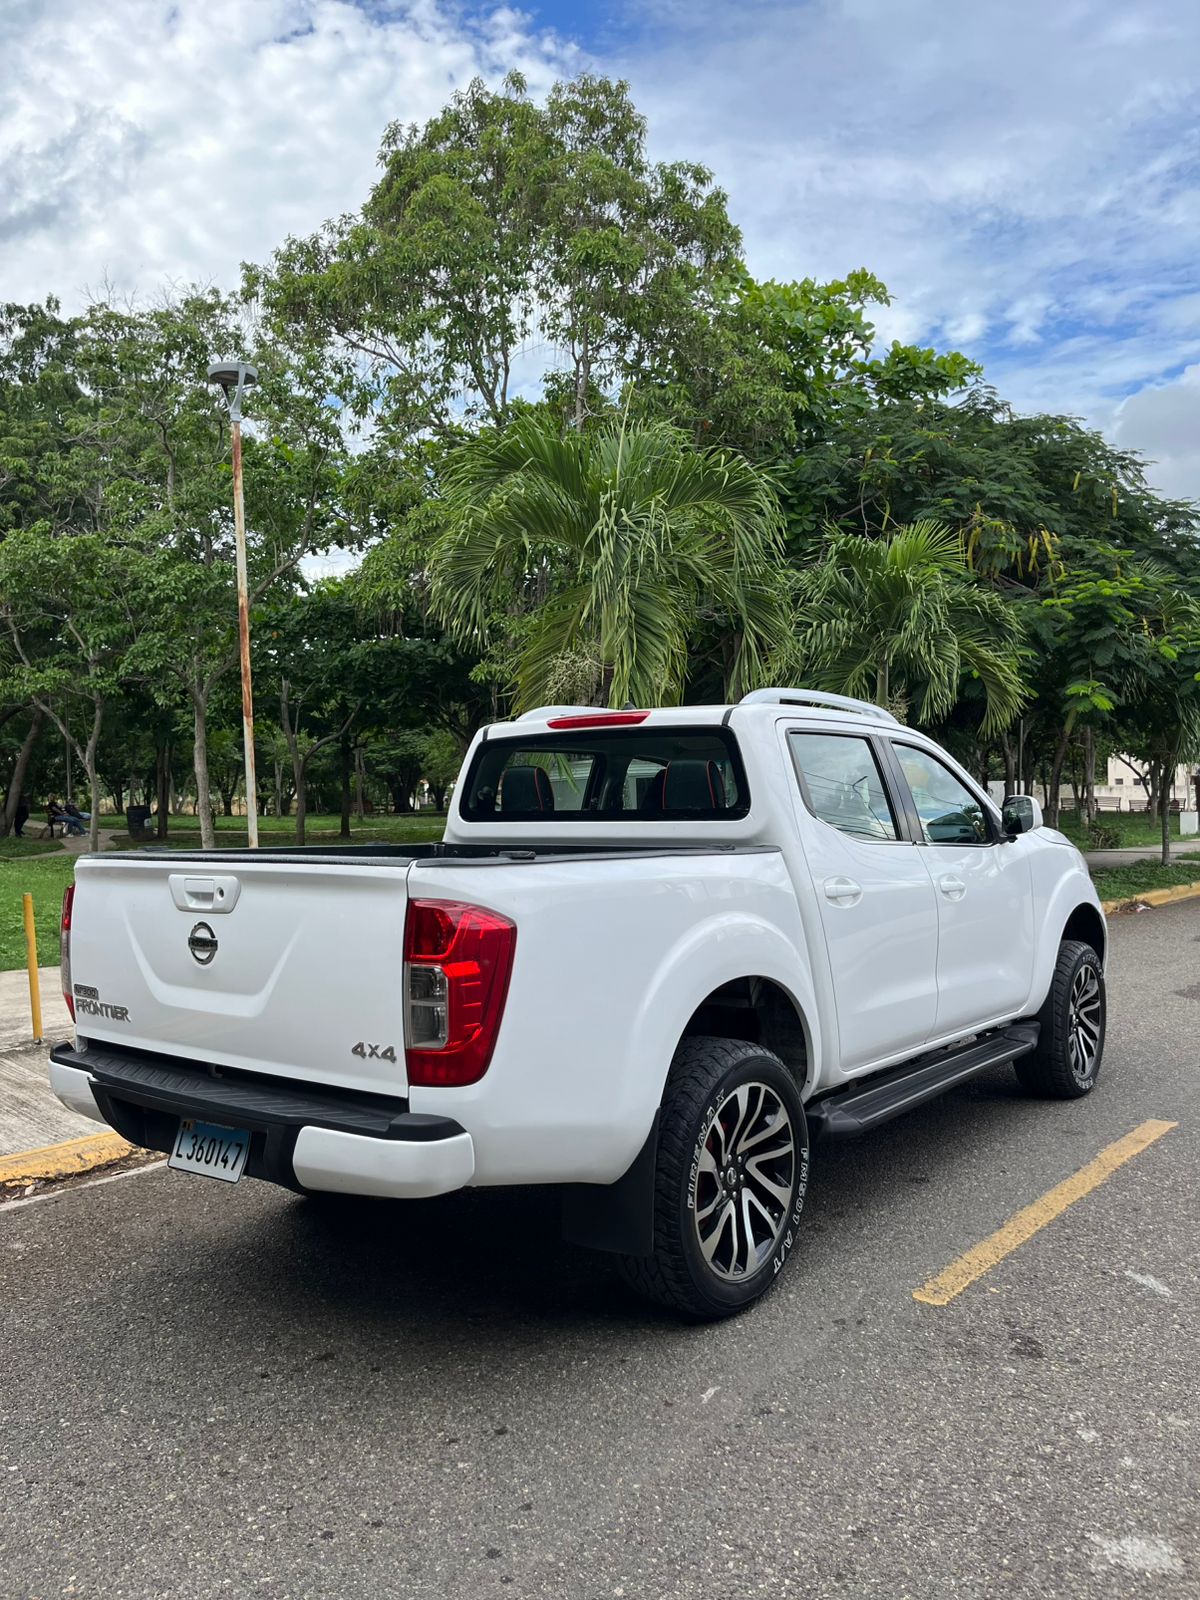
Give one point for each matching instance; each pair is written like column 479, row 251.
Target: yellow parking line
column 63, row 1160
column 981, row 1257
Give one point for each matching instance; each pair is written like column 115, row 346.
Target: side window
column 842, row 784
column 949, row 812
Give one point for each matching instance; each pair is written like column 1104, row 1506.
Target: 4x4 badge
column 202, row 942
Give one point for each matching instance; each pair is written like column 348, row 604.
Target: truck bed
column 290, row 964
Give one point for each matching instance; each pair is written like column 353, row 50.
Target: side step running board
column 863, row 1106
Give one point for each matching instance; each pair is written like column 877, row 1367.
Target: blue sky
column 1022, row 173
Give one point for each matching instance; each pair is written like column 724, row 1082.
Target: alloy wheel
column 1083, row 1023
column 746, row 1181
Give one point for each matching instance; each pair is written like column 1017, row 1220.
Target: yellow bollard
column 35, row 986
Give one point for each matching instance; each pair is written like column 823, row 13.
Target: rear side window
column 610, row 775
column 842, row 785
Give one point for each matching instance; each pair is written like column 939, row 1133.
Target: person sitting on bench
column 76, row 819
column 60, row 814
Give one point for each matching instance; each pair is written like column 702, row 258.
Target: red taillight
column 600, row 719
column 64, row 948
column 457, row 963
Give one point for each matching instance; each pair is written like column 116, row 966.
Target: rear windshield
column 610, row 775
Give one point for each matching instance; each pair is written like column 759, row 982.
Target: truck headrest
column 685, row 786
column 526, row 789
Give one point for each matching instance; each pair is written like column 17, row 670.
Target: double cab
column 655, row 956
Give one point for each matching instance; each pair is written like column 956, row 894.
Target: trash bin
column 136, row 818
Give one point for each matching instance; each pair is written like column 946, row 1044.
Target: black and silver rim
column 746, row 1181
column 1083, row 1023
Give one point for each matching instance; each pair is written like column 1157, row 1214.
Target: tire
column 732, row 1146
column 1070, row 1047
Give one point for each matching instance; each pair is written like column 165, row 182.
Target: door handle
column 952, row 887
column 842, row 891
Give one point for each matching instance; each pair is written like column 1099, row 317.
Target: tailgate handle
column 216, row 894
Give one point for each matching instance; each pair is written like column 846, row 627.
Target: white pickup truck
column 655, row 955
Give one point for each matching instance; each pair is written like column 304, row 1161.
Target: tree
column 65, row 605
column 499, row 225
column 47, row 425
column 1038, row 500
column 771, row 368
column 22, row 757
column 1082, row 654
column 1164, row 728
column 324, row 671
column 1124, row 655
column 226, row 759
column 617, row 538
column 625, row 244
column 440, row 764
column 901, row 617
column 1027, row 492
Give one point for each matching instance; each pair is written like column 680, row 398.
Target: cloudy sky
column 1021, row 173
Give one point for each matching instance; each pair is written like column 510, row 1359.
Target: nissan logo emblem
column 202, row 942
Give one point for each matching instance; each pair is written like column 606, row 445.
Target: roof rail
column 543, row 713
column 810, row 697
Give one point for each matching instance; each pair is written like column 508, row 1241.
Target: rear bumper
column 74, row 1089
column 324, row 1158
column 301, row 1136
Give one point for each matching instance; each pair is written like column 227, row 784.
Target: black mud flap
column 616, row 1216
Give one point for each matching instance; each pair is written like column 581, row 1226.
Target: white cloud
column 144, row 141
column 1163, row 422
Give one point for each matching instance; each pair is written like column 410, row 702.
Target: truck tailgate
column 275, row 965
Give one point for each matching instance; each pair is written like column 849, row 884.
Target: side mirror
column 1021, row 814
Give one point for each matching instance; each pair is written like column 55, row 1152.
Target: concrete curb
column 64, row 1160
column 1153, row 897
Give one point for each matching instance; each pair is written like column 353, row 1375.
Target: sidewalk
column 16, row 1028
column 1097, row 860
column 78, row 844
column 30, row 1116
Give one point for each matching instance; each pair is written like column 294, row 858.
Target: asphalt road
column 213, row 1391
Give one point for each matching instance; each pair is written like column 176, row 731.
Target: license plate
column 213, row 1152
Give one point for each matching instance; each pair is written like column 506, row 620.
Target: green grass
column 44, row 877
column 43, row 869
column 11, row 849
column 1133, row 827
column 419, row 828
column 1119, row 883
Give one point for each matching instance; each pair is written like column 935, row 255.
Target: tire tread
column 700, row 1064
column 1046, row 1069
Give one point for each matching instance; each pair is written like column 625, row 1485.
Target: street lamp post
column 234, row 378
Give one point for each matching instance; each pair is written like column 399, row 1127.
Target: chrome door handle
column 842, row 891
column 953, row 888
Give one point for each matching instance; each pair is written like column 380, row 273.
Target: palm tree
column 902, row 615
column 613, row 541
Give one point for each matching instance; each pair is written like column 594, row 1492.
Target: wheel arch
column 1087, row 925
column 761, row 1011
column 1071, row 910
